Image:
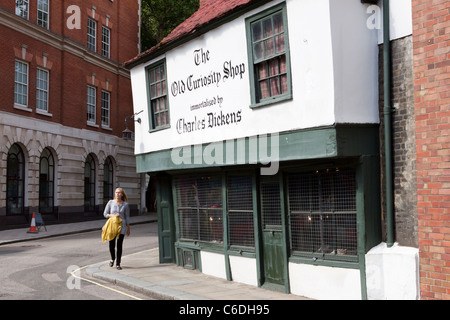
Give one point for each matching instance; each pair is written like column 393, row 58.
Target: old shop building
column 260, row 122
column 64, row 96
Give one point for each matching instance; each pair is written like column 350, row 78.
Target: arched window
column 108, row 174
column 89, row 184
column 15, row 181
column 46, row 182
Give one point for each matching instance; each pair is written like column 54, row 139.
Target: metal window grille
column 240, row 211
column 199, row 208
column 322, row 208
column 270, row 204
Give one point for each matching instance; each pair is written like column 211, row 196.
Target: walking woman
column 118, row 207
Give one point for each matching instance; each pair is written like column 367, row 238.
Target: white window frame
column 42, row 103
column 106, row 108
column 106, row 42
column 92, row 35
column 45, row 22
column 91, row 104
column 155, row 98
column 257, row 98
column 23, row 13
column 21, row 84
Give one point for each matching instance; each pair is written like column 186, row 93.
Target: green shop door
column 166, row 226
column 274, row 255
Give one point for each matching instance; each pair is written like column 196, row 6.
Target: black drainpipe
column 387, row 113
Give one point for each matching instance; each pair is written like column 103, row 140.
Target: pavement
column 142, row 272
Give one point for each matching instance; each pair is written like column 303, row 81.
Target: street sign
column 39, row 221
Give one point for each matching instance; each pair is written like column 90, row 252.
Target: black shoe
column 111, row 263
column 119, row 267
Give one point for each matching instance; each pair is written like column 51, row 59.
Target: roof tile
column 209, row 11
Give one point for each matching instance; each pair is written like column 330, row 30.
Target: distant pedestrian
column 115, row 208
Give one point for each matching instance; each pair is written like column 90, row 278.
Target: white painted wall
column 244, row 270
column 400, row 18
column 324, row 283
column 213, row 264
column 392, row 273
column 330, row 47
column 355, row 63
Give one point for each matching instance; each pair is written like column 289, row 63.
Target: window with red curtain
column 269, row 53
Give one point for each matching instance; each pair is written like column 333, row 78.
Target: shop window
column 270, row 204
column 240, row 211
column 269, row 56
column 322, row 212
column 199, row 208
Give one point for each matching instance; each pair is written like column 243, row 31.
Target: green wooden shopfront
column 321, row 208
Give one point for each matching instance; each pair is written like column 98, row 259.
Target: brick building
column 64, row 98
column 432, row 122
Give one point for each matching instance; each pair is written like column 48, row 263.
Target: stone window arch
column 89, row 183
column 46, row 182
column 15, row 181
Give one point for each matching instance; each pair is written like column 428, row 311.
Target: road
column 41, row 269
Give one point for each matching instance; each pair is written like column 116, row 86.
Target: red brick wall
column 10, row 50
column 71, row 73
column 431, row 29
column 123, row 22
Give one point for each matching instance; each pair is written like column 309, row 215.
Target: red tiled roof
column 210, row 11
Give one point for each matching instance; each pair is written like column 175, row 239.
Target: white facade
column 331, row 83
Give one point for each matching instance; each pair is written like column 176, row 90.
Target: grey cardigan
column 124, row 210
